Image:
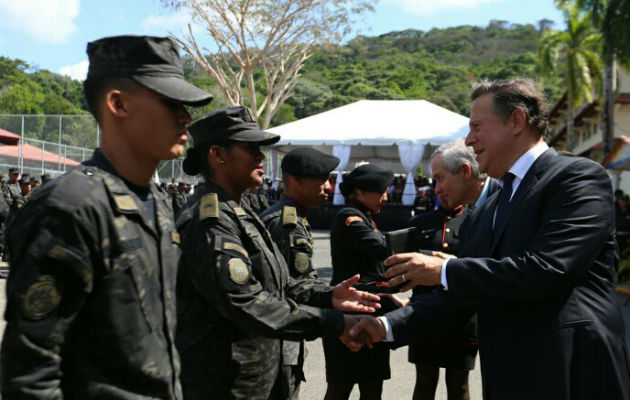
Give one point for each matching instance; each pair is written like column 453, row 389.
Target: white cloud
column 50, row 21
column 167, row 23
column 76, row 71
column 424, row 7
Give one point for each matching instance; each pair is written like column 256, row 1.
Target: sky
column 53, row 34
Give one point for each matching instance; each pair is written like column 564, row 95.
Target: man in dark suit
column 538, row 265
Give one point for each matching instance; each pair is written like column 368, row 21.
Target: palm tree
column 573, row 53
column 612, row 17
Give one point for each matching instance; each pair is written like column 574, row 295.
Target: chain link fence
column 54, row 144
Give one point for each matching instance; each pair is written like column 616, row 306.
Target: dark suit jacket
column 549, row 326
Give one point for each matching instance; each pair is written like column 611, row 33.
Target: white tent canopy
column 394, row 134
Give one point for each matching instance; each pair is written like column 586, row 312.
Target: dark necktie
column 504, row 200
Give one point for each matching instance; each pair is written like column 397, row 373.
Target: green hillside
column 439, row 65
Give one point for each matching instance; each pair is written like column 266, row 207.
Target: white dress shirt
column 519, row 169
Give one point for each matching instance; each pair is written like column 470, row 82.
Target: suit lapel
column 524, row 188
column 477, row 237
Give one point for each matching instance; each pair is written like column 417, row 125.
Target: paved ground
column 403, row 373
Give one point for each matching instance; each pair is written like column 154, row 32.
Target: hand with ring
column 415, row 269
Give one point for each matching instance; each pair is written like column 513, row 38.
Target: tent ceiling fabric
column 375, row 123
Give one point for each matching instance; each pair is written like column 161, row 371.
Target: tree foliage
column 262, row 44
column 437, row 65
column 576, row 52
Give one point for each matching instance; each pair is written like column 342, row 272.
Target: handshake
column 362, row 330
column 406, row 271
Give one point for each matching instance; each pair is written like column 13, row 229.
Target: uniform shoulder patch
column 175, row 237
column 289, row 215
column 239, row 273
column 239, row 211
column 353, row 218
column 301, row 262
column 41, row 298
column 125, row 202
column 209, row 206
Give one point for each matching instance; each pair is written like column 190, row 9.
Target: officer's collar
column 359, row 206
column 451, row 213
column 211, row 187
column 100, row 161
column 292, row 202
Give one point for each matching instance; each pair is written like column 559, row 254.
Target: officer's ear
column 115, row 103
column 216, row 156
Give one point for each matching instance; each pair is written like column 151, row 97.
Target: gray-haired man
column 458, row 183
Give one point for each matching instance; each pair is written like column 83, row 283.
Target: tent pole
column 20, row 155
column 59, row 166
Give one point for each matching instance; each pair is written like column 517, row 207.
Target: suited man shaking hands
column 536, row 264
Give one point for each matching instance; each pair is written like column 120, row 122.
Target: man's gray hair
column 455, row 154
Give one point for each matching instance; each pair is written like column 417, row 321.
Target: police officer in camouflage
column 305, row 173
column 91, row 292
column 236, row 300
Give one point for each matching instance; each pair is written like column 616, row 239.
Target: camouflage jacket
column 236, row 301
column 90, row 296
column 287, row 224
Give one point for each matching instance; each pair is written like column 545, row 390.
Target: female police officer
column 236, row 299
column 358, row 247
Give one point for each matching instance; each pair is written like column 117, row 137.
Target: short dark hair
column 95, row 88
column 516, row 94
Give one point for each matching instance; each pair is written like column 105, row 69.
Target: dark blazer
column 549, row 326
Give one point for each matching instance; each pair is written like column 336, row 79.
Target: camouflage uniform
column 90, row 298
column 236, row 301
column 292, row 233
column 178, row 201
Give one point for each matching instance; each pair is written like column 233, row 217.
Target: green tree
column 574, row 53
column 612, row 17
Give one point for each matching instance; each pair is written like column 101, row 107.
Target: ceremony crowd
column 123, row 289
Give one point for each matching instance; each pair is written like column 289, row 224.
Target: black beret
column 13, row 170
column 153, row 62
column 366, row 177
column 231, row 123
column 306, row 161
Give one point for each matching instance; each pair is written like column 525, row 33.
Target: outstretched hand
column 348, row 299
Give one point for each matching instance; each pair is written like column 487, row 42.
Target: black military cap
column 24, row 181
column 306, row 161
column 366, row 177
column 231, row 123
column 26, row 176
column 153, row 62
column 13, row 170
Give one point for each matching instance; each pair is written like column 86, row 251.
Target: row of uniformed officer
column 305, row 174
column 237, row 300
